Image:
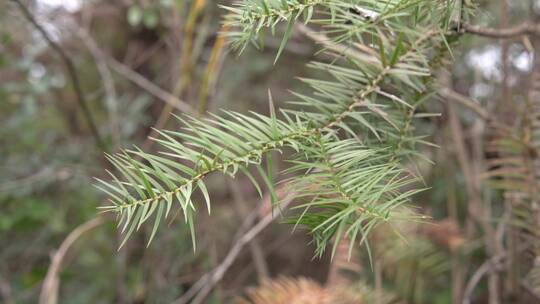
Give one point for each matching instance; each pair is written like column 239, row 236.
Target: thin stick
column 72, row 72
column 465, row 101
column 502, row 33
column 486, row 267
column 49, row 289
column 490, row 265
column 339, row 49
column 151, row 88
column 257, row 253
column 470, row 169
column 108, row 83
column 202, row 288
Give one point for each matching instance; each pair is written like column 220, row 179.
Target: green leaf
column 286, row 36
column 204, row 191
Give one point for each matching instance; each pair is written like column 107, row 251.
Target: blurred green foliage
column 48, row 158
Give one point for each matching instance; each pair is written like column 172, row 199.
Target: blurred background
column 81, row 78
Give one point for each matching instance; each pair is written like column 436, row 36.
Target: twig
column 248, row 222
column 470, row 167
column 151, row 88
column 339, row 49
column 502, row 33
column 70, row 67
column 147, row 54
column 486, row 267
column 202, row 288
column 257, row 253
column 475, row 199
column 49, row 289
column 108, row 82
column 465, row 101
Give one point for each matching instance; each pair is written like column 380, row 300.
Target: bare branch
column 151, row 88
column 70, row 67
column 487, row 266
column 492, row 264
column 257, row 253
column 465, row 101
column 49, row 289
column 108, row 82
column 202, row 288
column 337, row 48
column 502, row 33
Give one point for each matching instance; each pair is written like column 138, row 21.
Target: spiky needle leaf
column 353, row 136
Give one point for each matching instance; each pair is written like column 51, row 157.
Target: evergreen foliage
column 354, row 136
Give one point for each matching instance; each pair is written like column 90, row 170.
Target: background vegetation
column 103, row 75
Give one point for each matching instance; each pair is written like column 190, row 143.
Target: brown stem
column 108, row 83
column 49, row 290
column 502, row 33
column 465, row 101
column 200, row 290
column 255, row 248
column 150, row 87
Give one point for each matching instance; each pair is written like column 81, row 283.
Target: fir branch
column 233, row 143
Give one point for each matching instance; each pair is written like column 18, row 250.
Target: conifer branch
column 360, row 98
